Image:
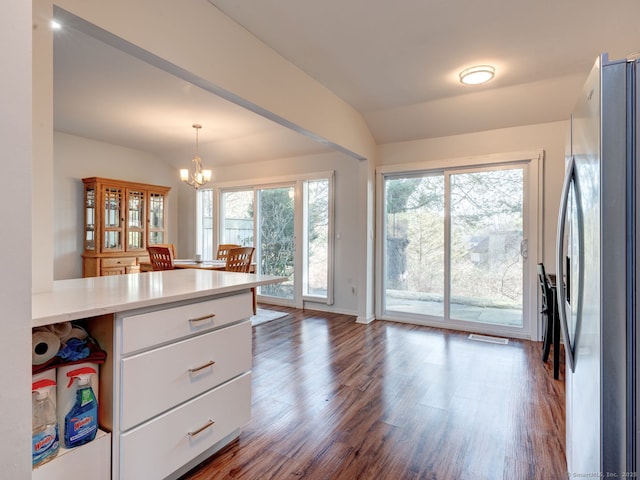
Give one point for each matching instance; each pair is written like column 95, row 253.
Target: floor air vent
column 488, row 339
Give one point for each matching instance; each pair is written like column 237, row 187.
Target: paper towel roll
column 76, row 331
column 45, row 346
column 61, row 330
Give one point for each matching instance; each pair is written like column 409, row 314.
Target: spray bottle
column 81, row 422
column 45, row 441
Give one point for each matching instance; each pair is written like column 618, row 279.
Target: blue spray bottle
column 81, row 423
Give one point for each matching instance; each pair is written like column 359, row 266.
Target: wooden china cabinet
column 121, row 219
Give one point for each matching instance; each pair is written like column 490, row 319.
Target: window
column 316, row 236
column 236, row 217
column 204, row 242
column 454, row 244
column 289, row 221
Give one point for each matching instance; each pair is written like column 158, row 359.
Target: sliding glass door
column 453, row 247
column 486, row 235
column 415, row 245
column 290, row 224
column 276, row 247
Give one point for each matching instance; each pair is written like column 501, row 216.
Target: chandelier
column 198, row 177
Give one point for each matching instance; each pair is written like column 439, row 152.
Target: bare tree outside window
column 485, row 210
column 238, row 217
column 486, row 233
column 415, row 241
column 316, row 245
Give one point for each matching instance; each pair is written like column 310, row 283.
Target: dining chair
column 239, row 260
column 170, row 246
column 161, row 257
column 551, row 330
column 145, row 265
column 223, row 250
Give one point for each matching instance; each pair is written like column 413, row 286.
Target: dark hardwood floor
column 333, row 399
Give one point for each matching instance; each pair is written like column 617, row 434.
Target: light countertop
column 88, row 297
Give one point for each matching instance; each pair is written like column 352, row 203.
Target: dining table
column 203, row 265
column 192, row 263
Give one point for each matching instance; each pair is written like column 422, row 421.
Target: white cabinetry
column 91, row 461
column 177, row 383
column 168, row 442
column 155, row 381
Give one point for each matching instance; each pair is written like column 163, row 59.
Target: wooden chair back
column 239, row 259
column 161, row 257
column 170, row 246
column 223, row 250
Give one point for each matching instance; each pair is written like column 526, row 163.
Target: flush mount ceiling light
column 477, row 75
column 198, row 177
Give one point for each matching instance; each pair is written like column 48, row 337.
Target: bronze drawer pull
column 201, row 429
column 202, row 319
column 210, row 363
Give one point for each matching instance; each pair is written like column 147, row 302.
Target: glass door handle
column 561, row 292
column 524, row 248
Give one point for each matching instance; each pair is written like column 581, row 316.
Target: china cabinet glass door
column 113, row 221
column 156, row 218
column 90, row 219
column 135, row 220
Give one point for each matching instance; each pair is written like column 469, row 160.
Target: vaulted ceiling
column 395, row 62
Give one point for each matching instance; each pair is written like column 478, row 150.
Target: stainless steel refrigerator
column 597, row 260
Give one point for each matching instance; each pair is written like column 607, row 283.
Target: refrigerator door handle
column 561, row 292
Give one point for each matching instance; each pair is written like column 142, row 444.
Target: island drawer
column 155, row 381
column 146, row 330
column 163, row 445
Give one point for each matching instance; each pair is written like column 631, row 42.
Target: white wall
column 42, row 207
column 549, row 137
column 15, row 254
column 76, row 158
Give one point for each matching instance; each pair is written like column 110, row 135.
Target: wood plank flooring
column 333, row 399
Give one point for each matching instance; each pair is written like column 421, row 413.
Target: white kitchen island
column 176, row 385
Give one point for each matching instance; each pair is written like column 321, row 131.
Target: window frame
column 533, row 218
column 301, row 212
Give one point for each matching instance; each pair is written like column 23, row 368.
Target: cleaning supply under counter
column 45, row 433
column 64, row 343
column 79, row 421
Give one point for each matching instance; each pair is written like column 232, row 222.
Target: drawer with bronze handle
column 166, row 443
column 146, row 330
column 157, row 380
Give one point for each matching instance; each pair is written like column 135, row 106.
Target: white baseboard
column 365, row 320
